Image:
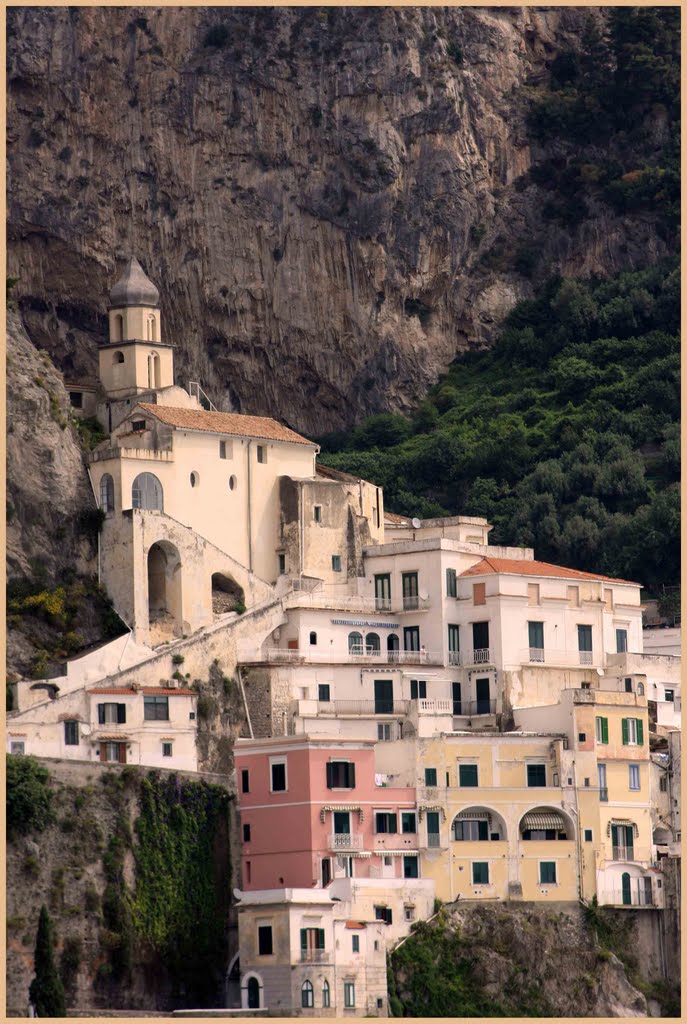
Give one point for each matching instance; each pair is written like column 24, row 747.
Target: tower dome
column 134, row 288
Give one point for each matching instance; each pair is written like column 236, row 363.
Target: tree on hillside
column 46, row 991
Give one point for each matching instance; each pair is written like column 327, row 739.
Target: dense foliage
column 565, row 436
column 180, row 906
column 612, row 109
column 46, row 991
column 29, row 799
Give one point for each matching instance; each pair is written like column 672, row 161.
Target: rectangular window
column 453, row 638
column 602, row 730
column 383, row 914
column 262, row 453
column 340, row 775
column 467, row 775
column 533, row 595
column 282, row 565
column 411, row 638
column 603, row 788
column 628, row 685
column 547, row 872
column 632, row 732
column 408, row 825
column 166, row 749
column 111, row 714
column 471, row 830
column 223, row 449
column 246, row 833
column 113, row 752
column 536, row 775
column 383, row 592
column 621, row 641
column 138, row 425
column 336, row 563
column 17, row 747
column 479, row 593
column 245, row 781
column 349, row 995
column 584, row 644
column 451, row 583
column 384, row 731
column 71, row 734
column 312, row 939
column 634, row 776
column 265, row 940
column 410, row 867
column 323, row 692
column 480, row 873
column 76, row 399
column 156, row 709
column 317, row 513
column 355, row 943
column 535, row 632
column 418, row 689
column 385, row 821
column 430, row 776
column 588, row 835
column 408, row 912
column 410, row 591
column 670, row 695
column 278, row 776
column 480, row 637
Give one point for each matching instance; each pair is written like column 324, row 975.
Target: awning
column 341, row 807
column 543, row 821
column 423, row 808
column 475, row 815
column 622, row 821
column 396, row 853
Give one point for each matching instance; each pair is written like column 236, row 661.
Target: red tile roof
column 530, row 567
column 224, row 423
column 355, row 924
column 114, row 690
column 156, row 690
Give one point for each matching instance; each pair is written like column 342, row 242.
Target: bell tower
column 135, row 359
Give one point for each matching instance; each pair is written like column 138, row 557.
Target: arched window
column 372, row 644
column 355, row 643
column 118, row 328
column 640, row 689
column 253, row 991
column 313, row 638
column 478, row 824
column 194, row 479
column 392, row 647
column 151, row 328
column 146, row 492
column 118, row 357
column 107, row 493
column 325, row 994
column 307, row 995
column 627, row 890
column 545, row 823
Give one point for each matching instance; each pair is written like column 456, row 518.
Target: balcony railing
column 365, row 708
column 603, row 794
column 356, row 603
column 433, row 840
column 623, row 853
column 433, row 707
column 481, row 656
column 537, row 654
column 586, row 657
column 471, row 708
column 345, row 841
column 634, row 898
column 565, row 658
column 281, row 655
column 454, row 658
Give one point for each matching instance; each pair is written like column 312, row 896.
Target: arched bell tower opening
column 164, row 592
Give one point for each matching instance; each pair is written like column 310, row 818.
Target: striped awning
column 423, row 808
column 622, row 821
column 341, row 807
column 111, row 738
column 342, row 854
column 475, row 815
column 539, row 821
column 396, row 853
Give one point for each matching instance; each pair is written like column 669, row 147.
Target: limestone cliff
column 318, row 193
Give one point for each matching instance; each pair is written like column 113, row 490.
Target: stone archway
column 164, row 592
column 227, row 595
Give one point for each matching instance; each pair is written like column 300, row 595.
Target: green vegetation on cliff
column 46, row 992
column 565, row 435
column 29, row 799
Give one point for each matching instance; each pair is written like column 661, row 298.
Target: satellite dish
column 600, row 671
column 85, row 729
column 424, row 596
column 416, row 523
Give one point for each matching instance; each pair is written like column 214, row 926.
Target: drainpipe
column 301, row 516
column 580, row 875
column 250, row 528
column 245, row 702
column 97, row 505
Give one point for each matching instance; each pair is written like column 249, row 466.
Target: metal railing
column 345, row 841
column 603, row 794
column 565, row 657
column 356, row 654
column 196, row 391
column 454, row 658
column 623, row 853
column 634, row 898
column 481, row 656
column 363, row 707
column 537, row 654
column 433, row 840
column 355, row 603
column 471, row 708
column 586, row 657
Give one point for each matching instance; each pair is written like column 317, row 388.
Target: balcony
column 363, row 708
column 283, row 656
column 618, row 898
column 603, row 794
column 433, row 707
column 560, row 658
column 414, row 603
column 384, row 841
column 472, row 708
column 481, row 656
column 356, row 603
column 433, row 840
column 537, row 654
column 623, row 853
column 342, row 841
column 454, row 658
column 586, row 657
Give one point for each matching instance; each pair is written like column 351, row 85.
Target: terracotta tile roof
column 157, row 690
column 393, row 517
column 531, row 567
column 114, row 690
column 112, row 736
column 335, row 474
column 355, row 924
column 224, row 423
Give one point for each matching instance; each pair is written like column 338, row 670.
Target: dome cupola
column 134, row 288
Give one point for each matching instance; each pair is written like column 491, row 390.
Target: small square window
column 384, row 731
column 409, row 913
column 536, row 775
column 336, row 563
column 547, row 872
column 480, row 873
column 670, row 695
column 323, row 693
column 246, row 833
column 317, row 513
column 262, row 453
column 17, row 747
column 467, row 775
column 582, row 737
column 138, row 425
column 166, row 749
column 76, row 399
column 192, row 716
column 588, row 835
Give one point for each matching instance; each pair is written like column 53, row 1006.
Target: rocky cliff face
column 315, row 191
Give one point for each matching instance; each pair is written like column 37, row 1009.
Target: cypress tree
column 46, row 991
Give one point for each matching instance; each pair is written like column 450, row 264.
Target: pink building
column 311, row 812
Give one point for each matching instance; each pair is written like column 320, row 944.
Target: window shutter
column 102, row 746
column 393, row 823
column 380, row 824
column 101, row 715
column 413, row 689
column 614, row 835
column 604, row 730
column 625, row 732
column 122, row 753
column 483, row 829
column 330, row 776
column 304, row 933
column 320, row 938
column 629, row 838
column 388, row 915
column 121, row 713
column 640, row 731
column 351, row 775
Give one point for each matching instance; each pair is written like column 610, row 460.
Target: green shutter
column 640, row 731
column 320, row 938
column 625, row 732
column 304, row 938
column 483, row 829
column 393, row 823
column 614, row 835
column 604, row 730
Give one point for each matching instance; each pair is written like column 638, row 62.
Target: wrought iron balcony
column 342, row 841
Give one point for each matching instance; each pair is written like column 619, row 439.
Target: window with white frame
column 167, row 748
column 278, row 780
column 634, row 776
column 16, row 746
column 349, row 995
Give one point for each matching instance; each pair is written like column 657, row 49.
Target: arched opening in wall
column 227, row 595
column 372, row 643
column 478, row 824
column 392, row 647
column 107, row 493
column 151, row 328
column 118, row 327
column 546, row 823
column 156, row 370
column 232, row 984
column 118, row 358
column 164, row 592
column 252, row 993
column 355, row 643
column 146, row 492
